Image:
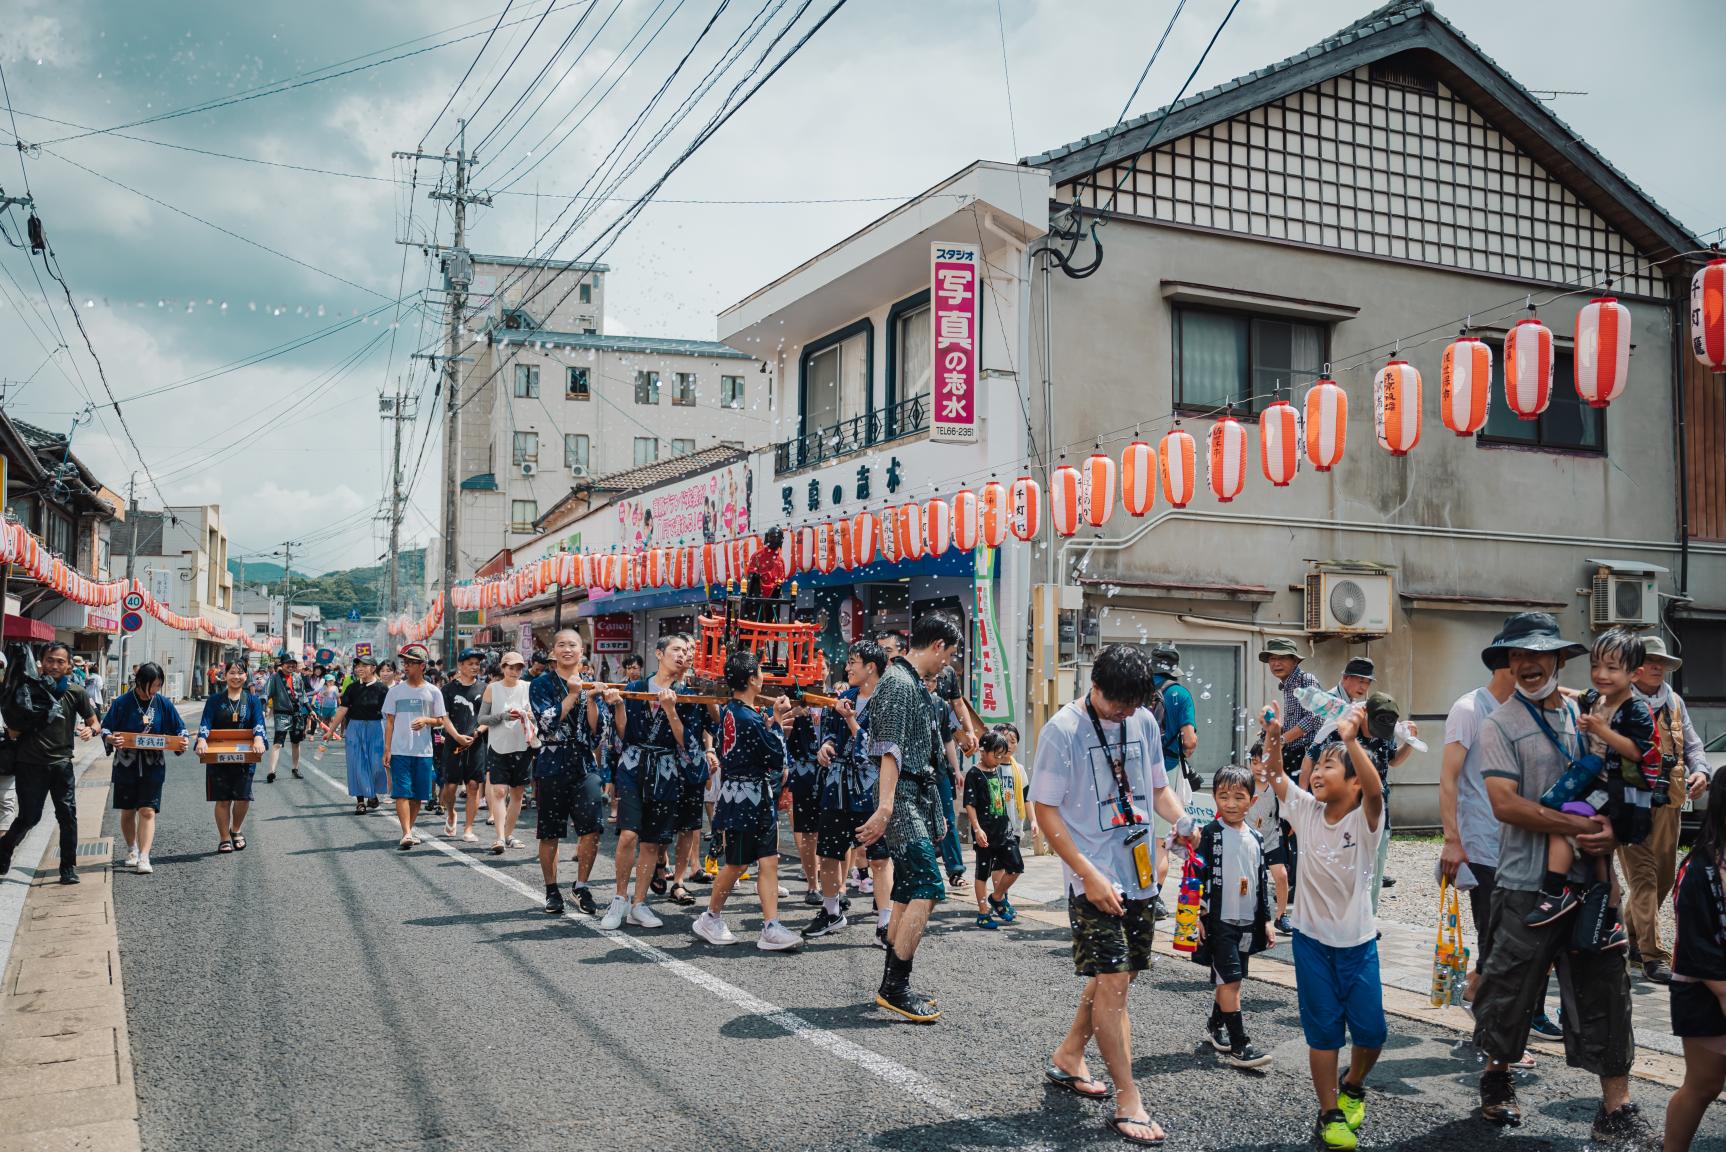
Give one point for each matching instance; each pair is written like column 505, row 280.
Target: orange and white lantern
column 1528, row 368
column 826, row 548
column 1138, row 478
column 803, row 553
column 937, row 526
column 1027, row 513
column 1326, row 424
column 996, row 510
column 1228, row 459
column 1396, row 398
column 1065, row 499
column 1177, row 460
column 1099, row 489
column 1602, row 355
column 910, row 531
column 865, row 539
column 715, row 564
column 1465, row 385
column 1279, row 442
column 1708, row 315
column 967, row 520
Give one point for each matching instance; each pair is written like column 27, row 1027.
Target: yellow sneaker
column 1333, row 1132
column 1352, row 1103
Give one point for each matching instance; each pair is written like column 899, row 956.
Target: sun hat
column 1280, row 646
column 415, row 652
column 1654, row 652
column 1532, row 632
column 1166, row 660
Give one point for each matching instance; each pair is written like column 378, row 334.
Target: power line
column 573, row 63
column 501, row 76
column 470, row 67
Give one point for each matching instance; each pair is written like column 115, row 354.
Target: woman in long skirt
column 360, row 720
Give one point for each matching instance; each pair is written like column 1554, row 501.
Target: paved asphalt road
column 322, row 989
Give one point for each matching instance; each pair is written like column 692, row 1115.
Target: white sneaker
column 776, row 937
column 132, row 858
column 713, row 929
column 144, row 868
column 784, row 892
column 613, row 918
column 642, row 916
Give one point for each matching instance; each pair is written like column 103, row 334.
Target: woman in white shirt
column 506, row 718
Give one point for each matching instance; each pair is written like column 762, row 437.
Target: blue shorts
column 411, row 778
column 1337, row 987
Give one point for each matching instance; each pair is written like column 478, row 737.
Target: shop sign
column 524, row 640
column 954, row 285
column 994, row 678
column 713, row 506
column 613, row 633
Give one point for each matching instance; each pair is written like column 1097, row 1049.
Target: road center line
column 905, row 1079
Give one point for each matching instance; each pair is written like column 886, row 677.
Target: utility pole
column 399, row 409
column 131, row 567
column 458, row 276
column 288, row 594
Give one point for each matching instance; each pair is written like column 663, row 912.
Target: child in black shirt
column 1234, row 911
column 997, row 842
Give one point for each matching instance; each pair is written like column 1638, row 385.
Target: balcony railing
column 906, row 418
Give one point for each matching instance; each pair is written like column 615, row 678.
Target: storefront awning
column 621, row 603
column 24, row 628
column 952, row 562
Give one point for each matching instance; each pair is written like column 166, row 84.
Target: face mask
column 1540, row 693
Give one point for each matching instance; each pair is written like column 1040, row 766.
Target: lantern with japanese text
column 1026, row 517
column 892, row 546
column 1138, row 478
column 826, row 548
column 1528, row 368
column 1099, row 490
column 996, row 513
column 688, row 567
column 1465, row 385
column 1065, row 499
column 1396, row 407
column 1279, row 442
column 1177, row 460
column 911, row 530
column 865, row 538
column 967, row 520
column 1228, row 459
column 1708, row 315
column 938, row 525
column 1326, row 424
column 1602, row 354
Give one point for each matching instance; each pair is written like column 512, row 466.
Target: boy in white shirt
column 1338, row 824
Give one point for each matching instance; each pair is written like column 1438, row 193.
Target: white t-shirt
column 1475, row 823
column 1072, row 773
column 406, row 703
column 1241, row 853
column 508, row 736
column 1333, row 901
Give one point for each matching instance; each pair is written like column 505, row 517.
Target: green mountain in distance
column 338, row 593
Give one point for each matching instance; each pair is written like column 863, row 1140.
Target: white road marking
column 907, row 1080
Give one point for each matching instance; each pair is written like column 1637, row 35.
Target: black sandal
column 1118, row 1125
column 657, row 884
column 225, row 846
column 680, row 894
column 239, row 842
column 1072, row 1083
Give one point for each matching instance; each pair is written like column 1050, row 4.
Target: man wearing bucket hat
column 1525, row 746
column 1649, row 867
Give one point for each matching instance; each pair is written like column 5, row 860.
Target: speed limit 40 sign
column 133, row 602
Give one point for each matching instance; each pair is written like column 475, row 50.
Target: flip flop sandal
column 657, row 884
column 1073, row 1083
column 1118, row 1125
column 239, row 842
column 680, row 895
column 225, row 846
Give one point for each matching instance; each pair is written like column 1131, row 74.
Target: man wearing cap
column 411, row 710
column 1357, row 679
column 1176, row 717
column 1649, row 866
column 1283, row 659
column 1525, row 746
column 289, row 701
column 464, row 764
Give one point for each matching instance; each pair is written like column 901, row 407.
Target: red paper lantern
column 715, row 565
column 1396, row 407
column 1279, row 442
column 1326, row 424
column 967, row 520
column 910, row 531
column 1602, row 355
column 997, row 512
column 1027, row 512
column 892, row 547
column 1708, row 315
column 1064, row 499
column 865, row 539
column 1099, row 489
column 826, row 548
column 1138, row 478
column 1465, row 385
column 1228, row 459
column 1528, row 368
column 1177, row 460
column 938, row 525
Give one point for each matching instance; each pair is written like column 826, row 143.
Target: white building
column 260, row 613
column 181, row 556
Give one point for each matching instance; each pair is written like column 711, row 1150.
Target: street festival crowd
column 1543, row 788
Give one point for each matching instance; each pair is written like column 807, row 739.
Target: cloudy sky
column 285, row 280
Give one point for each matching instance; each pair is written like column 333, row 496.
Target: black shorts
column 1277, row 856
column 805, row 814
column 1104, row 945
column 740, row 848
column 287, row 729
column 568, row 800
column 134, row 790
column 1229, row 948
column 509, row 769
column 690, row 808
column 462, row 765
column 836, row 835
column 653, row 820
column 1001, row 857
column 227, row 782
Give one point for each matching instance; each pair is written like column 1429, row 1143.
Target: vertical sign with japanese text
column 954, row 286
column 994, row 679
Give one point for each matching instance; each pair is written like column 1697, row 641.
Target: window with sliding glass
column 1223, row 358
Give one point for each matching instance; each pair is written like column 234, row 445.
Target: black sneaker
column 1552, row 906
column 1617, row 939
column 270, row 779
column 1546, row 1028
column 914, row 1006
column 584, row 901
column 297, row 775
column 955, row 879
column 70, row 876
column 371, row 803
column 1246, row 1056
column 554, row 902
column 1658, row 971
column 1284, row 926
column 881, row 937
column 1621, row 1125
column 844, row 905
column 1219, row 1036
column 812, row 899
column 823, row 923
column 1498, row 1099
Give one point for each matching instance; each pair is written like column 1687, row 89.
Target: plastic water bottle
column 1404, row 736
column 1329, row 709
column 318, row 752
column 1187, row 907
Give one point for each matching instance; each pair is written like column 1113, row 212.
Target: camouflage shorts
column 1104, row 944
column 917, row 873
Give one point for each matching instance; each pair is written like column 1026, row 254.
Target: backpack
column 26, row 699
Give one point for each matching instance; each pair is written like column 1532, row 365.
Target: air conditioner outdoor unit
column 579, row 471
column 1622, row 599
column 1348, row 603
column 527, row 467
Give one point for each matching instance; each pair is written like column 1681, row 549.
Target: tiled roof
column 667, row 471
column 1389, row 16
column 636, row 345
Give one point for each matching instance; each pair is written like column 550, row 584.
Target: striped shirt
column 1296, row 718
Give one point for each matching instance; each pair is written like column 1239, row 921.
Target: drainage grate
column 95, row 848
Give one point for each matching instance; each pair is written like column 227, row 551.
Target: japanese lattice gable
column 1381, row 161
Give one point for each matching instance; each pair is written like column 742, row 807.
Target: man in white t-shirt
column 411, row 710
column 1096, row 781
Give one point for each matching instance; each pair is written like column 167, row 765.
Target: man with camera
column 43, row 714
